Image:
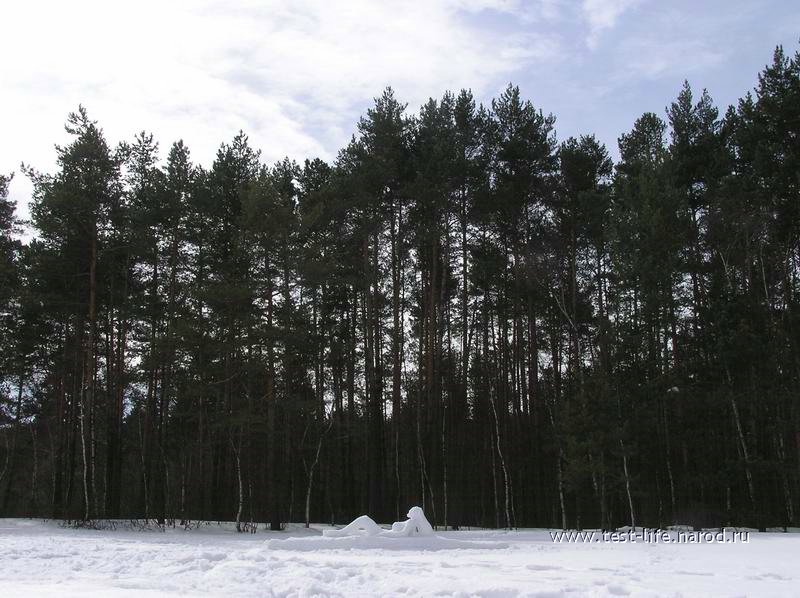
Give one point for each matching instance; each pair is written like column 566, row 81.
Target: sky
column 296, row 75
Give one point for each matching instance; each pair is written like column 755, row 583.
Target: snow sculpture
column 363, row 533
column 415, row 525
column 360, row 526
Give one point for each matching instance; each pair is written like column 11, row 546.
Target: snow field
column 40, row 558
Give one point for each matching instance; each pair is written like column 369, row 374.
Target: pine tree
column 457, row 312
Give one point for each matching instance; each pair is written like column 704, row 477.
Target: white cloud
column 652, row 59
column 602, row 15
column 294, row 75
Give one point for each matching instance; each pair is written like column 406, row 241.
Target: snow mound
column 416, row 533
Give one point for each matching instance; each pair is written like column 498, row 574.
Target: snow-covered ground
column 42, row 559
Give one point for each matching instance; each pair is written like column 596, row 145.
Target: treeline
column 460, row 313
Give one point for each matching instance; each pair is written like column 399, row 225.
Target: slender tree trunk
column 271, row 408
column 627, row 482
column 240, row 485
column 87, row 387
